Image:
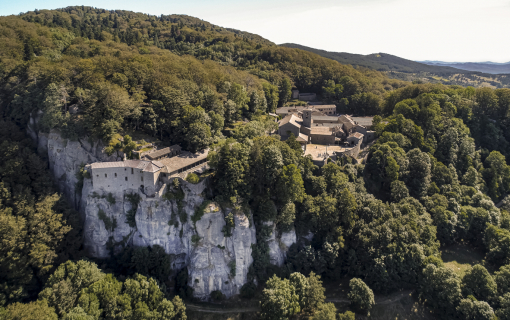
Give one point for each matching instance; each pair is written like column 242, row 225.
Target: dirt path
column 378, row 300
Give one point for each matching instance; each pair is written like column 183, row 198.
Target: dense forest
column 431, row 180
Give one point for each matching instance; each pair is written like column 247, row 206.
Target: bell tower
column 307, row 118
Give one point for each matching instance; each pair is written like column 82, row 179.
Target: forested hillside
column 400, row 68
column 430, row 181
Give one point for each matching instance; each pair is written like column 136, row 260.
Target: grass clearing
column 460, row 258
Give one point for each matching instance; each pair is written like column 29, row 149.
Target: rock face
column 65, row 158
column 214, row 262
column 279, row 244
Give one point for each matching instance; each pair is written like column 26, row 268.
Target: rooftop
column 183, row 160
column 290, row 119
column 285, row 110
column 320, row 131
column 302, row 137
column 356, row 135
column 325, row 118
column 162, row 152
column 364, row 121
column 148, row 166
column 323, row 106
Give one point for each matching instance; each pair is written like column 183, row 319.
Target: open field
column 460, row 258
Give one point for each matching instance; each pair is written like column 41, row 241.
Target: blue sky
column 448, row 30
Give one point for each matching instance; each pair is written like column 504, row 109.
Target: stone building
column 128, row 174
column 329, row 109
column 307, row 96
column 322, row 129
column 147, row 176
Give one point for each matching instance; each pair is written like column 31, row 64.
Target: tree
column 290, row 184
column 31, row 311
column 347, row 208
column 271, row 94
column 315, row 296
column 479, row 283
column 64, row 285
column 198, row 136
column 302, row 287
column 419, row 165
column 475, row 310
column 440, row 288
column 502, row 279
column 279, row 300
column 361, row 296
column 399, row 191
column 503, row 313
column 497, row 174
column 325, row 311
column 285, row 91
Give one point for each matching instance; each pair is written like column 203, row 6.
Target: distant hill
column 465, row 74
column 485, row 67
column 378, row 61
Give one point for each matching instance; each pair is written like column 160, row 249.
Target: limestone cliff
column 214, row 261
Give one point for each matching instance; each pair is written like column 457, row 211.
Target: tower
column 307, row 118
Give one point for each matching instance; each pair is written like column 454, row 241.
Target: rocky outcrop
column 279, row 243
column 65, row 158
column 214, row 261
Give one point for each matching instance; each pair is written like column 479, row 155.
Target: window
column 105, row 175
column 125, row 178
column 132, row 171
column 98, row 176
column 115, row 174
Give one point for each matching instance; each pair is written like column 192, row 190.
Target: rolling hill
column 485, row 67
column 431, row 71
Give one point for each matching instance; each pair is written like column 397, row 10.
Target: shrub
column 195, row 239
column 199, row 212
column 110, row 198
column 232, row 266
column 192, row 178
column 217, row 295
column 248, row 290
column 134, row 199
column 109, row 224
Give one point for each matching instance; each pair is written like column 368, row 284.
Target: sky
column 444, row 30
